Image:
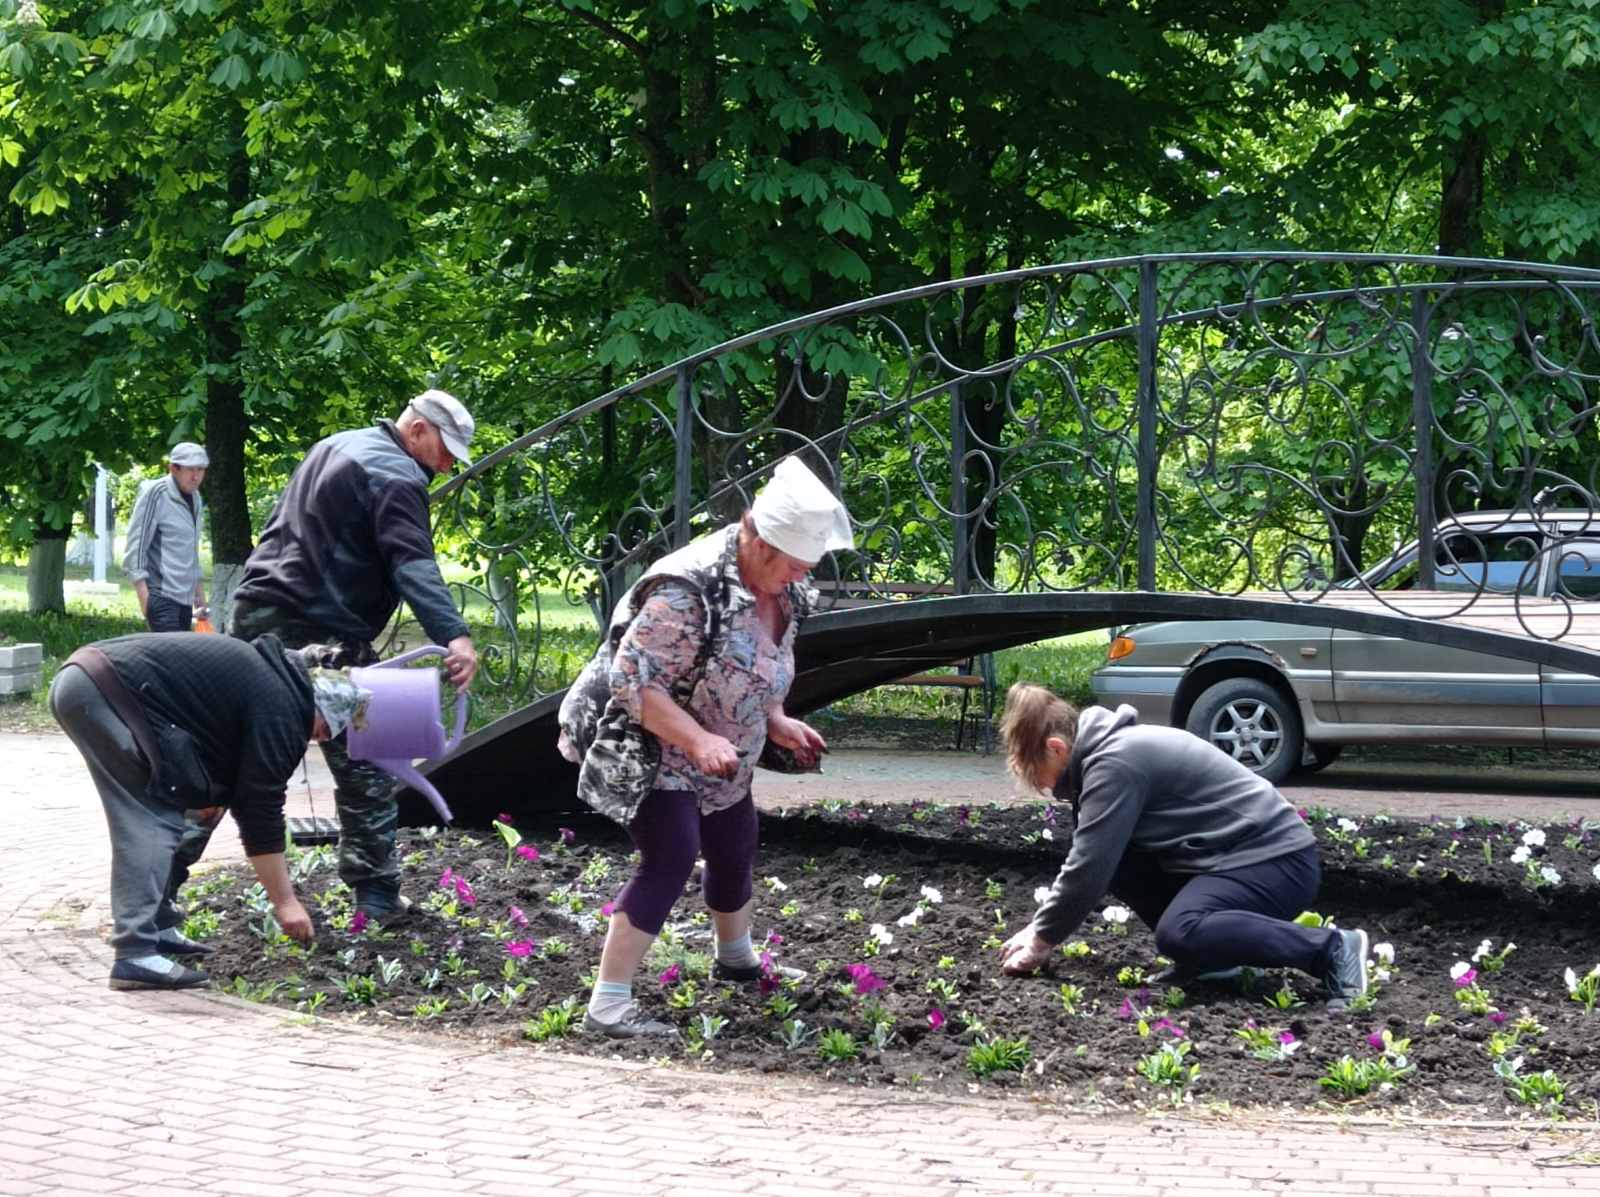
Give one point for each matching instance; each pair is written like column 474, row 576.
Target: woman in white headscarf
column 703, row 660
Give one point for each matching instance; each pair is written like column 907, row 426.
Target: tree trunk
column 227, row 422
column 47, row 570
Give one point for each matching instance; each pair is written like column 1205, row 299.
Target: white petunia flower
column 1115, row 914
column 1550, row 875
column 1047, row 834
column 932, row 895
column 911, row 919
column 1484, row 949
column 881, row 933
column 1381, row 975
column 1383, row 953
column 1571, row 978
column 872, row 881
column 1597, row 872
column 1459, row 969
column 1040, row 894
column 1520, row 855
column 775, row 885
column 1349, row 826
column 1461, row 823
column 1533, row 837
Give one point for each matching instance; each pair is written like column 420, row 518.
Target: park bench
column 974, row 675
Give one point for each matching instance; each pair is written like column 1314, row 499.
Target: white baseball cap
column 454, row 422
column 187, row 453
column 798, row 515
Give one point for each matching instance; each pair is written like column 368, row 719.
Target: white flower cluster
column 28, row 13
column 1383, row 970
column 1116, row 915
column 775, row 886
column 1459, row 969
column 1349, row 826
column 872, row 881
column 1040, row 894
column 881, row 933
column 1521, row 855
column 1533, row 837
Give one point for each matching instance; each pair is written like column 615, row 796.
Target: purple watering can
column 403, row 721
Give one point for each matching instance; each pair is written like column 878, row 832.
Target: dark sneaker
column 1349, row 972
column 1178, row 974
column 745, row 973
column 631, row 1024
column 172, row 942
column 125, row 974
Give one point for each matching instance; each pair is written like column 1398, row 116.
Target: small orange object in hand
column 203, row 624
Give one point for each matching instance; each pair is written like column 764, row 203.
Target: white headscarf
column 796, row 514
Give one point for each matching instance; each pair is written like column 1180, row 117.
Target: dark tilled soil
column 949, row 1021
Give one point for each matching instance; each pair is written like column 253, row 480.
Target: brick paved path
column 108, row 1093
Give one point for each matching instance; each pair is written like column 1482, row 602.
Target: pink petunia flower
column 464, row 892
column 447, row 879
column 866, row 980
column 670, row 974
column 358, row 922
column 568, row 836
column 1466, row 978
column 935, row 1019
column 519, row 947
column 774, row 940
column 1286, row 1037
column 1497, row 1017
column 527, row 852
column 503, row 818
column 1170, row 1027
column 516, row 917
column 1375, row 1041
column 963, row 814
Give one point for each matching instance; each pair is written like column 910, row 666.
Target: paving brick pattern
column 105, row 1093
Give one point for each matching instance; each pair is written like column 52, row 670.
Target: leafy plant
column 1541, row 1090
column 780, row 1006
column 989, row 1056
column 390, row 971
column 794, row 1033
column 1070, row 995
column 201, row 924
column 1284, row 999
column 553, row 1022
column 945, row 989
column 1350, row 1078
column 837, row 1046
column 1168, row 1068
column 430, row 1007
column 359, row 988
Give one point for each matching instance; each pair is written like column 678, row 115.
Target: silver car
column 1277, row 696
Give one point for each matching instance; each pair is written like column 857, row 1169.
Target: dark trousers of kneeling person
column 144, row 833
column 1213, row 921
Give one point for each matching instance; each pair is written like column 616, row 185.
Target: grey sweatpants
column 144, row 835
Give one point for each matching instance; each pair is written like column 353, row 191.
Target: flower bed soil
column 1434, row 890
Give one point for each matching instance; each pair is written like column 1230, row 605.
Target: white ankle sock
column 609, row 999
column 737, row 952
column 156, row 964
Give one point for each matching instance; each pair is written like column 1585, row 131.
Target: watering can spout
column 403, row 722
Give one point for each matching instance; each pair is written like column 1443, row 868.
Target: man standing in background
column 162, row 557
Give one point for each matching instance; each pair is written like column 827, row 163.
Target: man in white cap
column 162, row 556
column 349, row 540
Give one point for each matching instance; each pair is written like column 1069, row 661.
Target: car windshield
column 1502, row 559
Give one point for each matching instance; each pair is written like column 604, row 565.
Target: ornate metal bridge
column 1070, row 447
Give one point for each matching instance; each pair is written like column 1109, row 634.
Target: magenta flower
column 568, row 836
column 503, row 818
column 519, row 947
column 866, row 980
column 770, row 980
column 1305, row 815
column 609, row 909
column 528, row 852
column 670, row 975
column 464, row 892
column 1126, row 1012
column 1466, row 978
column 1286, row 1037
column 963, row 814
column 358, row 922
column 1170, row 1027
column 935, row 1019
column 774, row 940
column 1375, row 1041
column 855, row 816
column 516, row 918
column 1049, row 815
column 1497, row 1017
column 447, row 879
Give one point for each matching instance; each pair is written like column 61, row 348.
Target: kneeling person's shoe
column 125, row 974
column 745, row 973
column 381, row 904
column 1349, row 972
column 632, row 1023
column 172, row 942
column 1178, row 974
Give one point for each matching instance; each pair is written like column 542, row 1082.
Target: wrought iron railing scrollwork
column 1198, row 422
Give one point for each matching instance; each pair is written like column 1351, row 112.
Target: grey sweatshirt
column 1161, row 791
column 163, row 547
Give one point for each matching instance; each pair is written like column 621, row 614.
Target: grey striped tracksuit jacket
column 163, row 545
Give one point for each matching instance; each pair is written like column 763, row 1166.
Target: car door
column 1572, row 700
column 1398, row 683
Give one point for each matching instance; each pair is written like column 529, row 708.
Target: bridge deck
column 838, row 653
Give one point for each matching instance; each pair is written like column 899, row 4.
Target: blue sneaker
column 1349, row 972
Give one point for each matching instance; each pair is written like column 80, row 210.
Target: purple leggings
column 670, row 833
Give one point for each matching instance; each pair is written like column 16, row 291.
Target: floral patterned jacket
column 699, row 640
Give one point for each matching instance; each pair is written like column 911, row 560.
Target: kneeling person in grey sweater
column 1210, row 856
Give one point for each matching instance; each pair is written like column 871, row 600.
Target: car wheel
column 1253, row 723
column 1319, row 756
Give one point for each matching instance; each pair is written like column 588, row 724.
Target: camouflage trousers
column 363, row 795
